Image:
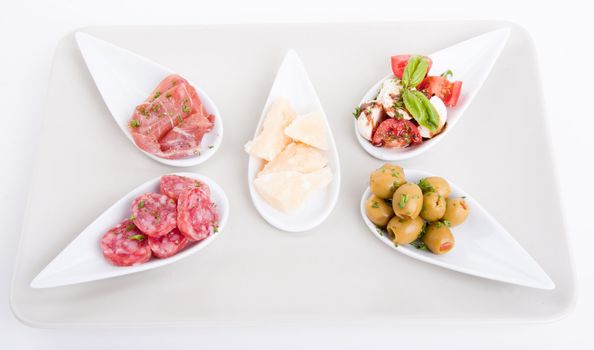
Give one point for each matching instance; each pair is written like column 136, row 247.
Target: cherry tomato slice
column 396, row 133
column 447, row 91
column 454, row 95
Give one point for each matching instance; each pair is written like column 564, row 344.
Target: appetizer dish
column 163, row 114
column 410, row 107
column 293, row 167
column 429, row 218
column 162, row 224
column 420, row 214
column 423, row 98
column 172, row 121
column 291, row 148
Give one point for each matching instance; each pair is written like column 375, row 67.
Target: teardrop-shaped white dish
column 125, row 79
column 292, row 83
column 482, row 247
column 471, row 61
column 82, row 260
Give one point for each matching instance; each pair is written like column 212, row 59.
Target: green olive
column 378, row 211
column 385, row 180
column 436, row 184
column 407, row 201
column 405, row 231
column 434, row 206
column 438, row 238
column 456, row 211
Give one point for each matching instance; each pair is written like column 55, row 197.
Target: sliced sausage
column 154, row 214
column 197, row 217
column 125, row 245
column 168, row 245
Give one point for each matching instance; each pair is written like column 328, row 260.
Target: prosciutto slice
column 172, row 121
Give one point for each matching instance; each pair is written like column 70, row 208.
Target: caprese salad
column 410, row 107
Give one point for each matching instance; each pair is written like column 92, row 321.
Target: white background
column 562, row 30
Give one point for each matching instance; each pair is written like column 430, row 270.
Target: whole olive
column 434, row 206
column 456, row 211
column 438, row 238
column 405, row 231
column 436, row 184
column 385, row 180
column 407, row 201
column 378, row 211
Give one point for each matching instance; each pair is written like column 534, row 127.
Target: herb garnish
column 448, row 73
column 157, row 94
column 426, row 186
column 135, row 123
column 403, row 200
column 137, row 237
column 179, row 119
column 374, row 205
column 357, row 112
column 130, row 227
column 185, row 108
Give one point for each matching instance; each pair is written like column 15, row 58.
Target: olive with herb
column 456, row 211
column 385, row 180
column 405, row 231
column 378, row 211
column 438, row 238
column 434, row 206
column 407, row 201
column 436, row 184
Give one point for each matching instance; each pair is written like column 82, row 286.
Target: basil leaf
column 415, row 71
column 421, row 109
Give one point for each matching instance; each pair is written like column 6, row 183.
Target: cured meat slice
column 162, row 116
column 184, row 140
column 168, row 245
column 197, row 217
column 125, row 245
column 154, row 214
column 174, row 185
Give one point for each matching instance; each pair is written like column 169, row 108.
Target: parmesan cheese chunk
column 310, row 129
column 296, row 157
column 271, row 140
column 288, row 190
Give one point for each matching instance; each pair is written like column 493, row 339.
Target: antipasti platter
column 320, row 206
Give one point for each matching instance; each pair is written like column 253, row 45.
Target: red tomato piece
column 455, row 95
column 399, row 62
column 396, row 133
column 447, row 91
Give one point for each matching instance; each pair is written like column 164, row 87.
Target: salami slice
column 125, row 245
column 196, row 216
column 174, row 185
column 168, row 245
column 154, row 214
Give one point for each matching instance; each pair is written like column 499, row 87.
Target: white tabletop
column 30, row 30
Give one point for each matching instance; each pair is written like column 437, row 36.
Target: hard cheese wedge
column 296, row 157
column 271, row 141
column 310, row 129
column 287, row 190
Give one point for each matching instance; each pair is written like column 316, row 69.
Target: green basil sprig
column 421, row 109
column 415, row 71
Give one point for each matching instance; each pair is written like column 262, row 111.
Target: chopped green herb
column 185, row 108
column 216, row 228
column 419, row 244
column 447, row 223
column 210, row 147
column 141, row 204
column 403, row 200
column 135, row 123
column 168, row 95
column 179, row 120
column 130, row 227
column 375, row 204
column 438, row 224
column 137, row 237
column 132, row 217
column 463, row 197
column 448, row 73
column 357, row 112
column 426, row 186
column 197, row 184
column 157, row 94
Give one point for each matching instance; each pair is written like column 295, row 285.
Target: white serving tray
column 339, row 272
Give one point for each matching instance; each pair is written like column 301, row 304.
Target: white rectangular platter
column 253, row 274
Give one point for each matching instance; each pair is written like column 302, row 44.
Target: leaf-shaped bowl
column 483, row 247
column 82, row 260
column 471, row 61
column 293, row 83
column 125, row 79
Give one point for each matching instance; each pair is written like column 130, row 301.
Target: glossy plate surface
column 125, row 80
column 83, row 261
column 471, row 61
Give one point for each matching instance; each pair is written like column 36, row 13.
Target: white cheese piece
column 288, row 190
column 296, row 157
column 390, row 94
column 442, row 111
column 371, row 115
column 310, row 129
column 272, row 140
